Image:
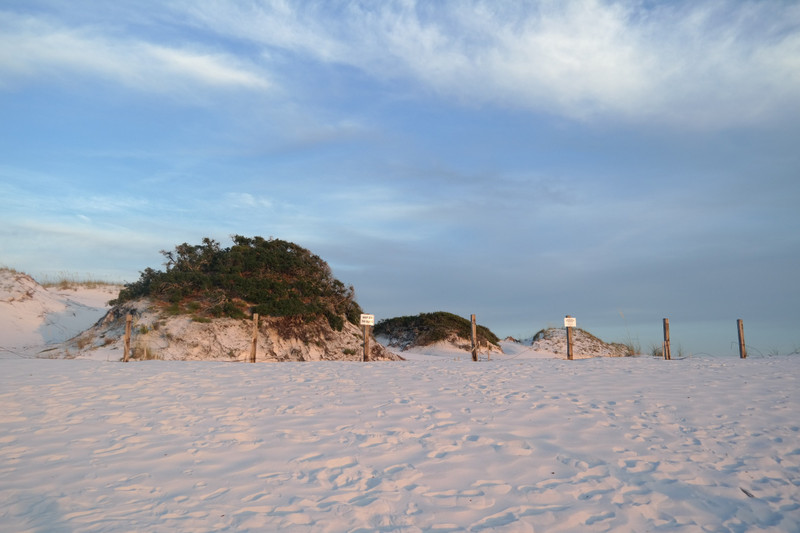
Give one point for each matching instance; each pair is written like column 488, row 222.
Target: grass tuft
column 72, row 281
column 4, row 268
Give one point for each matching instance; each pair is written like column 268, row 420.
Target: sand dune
column 35, row 319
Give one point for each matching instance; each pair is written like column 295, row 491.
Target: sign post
column 367, row 321
column 569, row 323
column 254, row 340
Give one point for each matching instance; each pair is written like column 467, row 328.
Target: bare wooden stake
column 254, row 343
column 666, row 349
column 474, row 337
column 742, row 349
column 128, row 320
column 569, row 341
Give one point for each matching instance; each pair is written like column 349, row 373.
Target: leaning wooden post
column 254, row 342
column 128, row 320
column 568, row 321
column 742, row 349
column 474, row 337
column 666, row 349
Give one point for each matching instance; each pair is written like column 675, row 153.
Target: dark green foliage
column 427, row 328
column 270, row 277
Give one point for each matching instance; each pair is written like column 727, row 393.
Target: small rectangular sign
column 570, row 322
column 367, row 320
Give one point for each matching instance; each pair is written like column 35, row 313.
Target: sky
column 620, row 162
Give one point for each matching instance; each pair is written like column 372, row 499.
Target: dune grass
column 4, row 268
column 66, row 280
column 71, row 280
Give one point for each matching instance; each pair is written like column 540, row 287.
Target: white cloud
column 243, row 199
column 36, row 48
column 302, row 27
column 698, row 63
column 706, row 63
column 210, row 69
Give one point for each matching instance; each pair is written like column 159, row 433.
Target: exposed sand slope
column 156, row 335
column 34, row 320
column 584, row 345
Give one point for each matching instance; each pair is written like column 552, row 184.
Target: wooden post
column 569, row 341
column 366, row 342
column 128, row 320
column 367, row 322
column 254, row 343
column 742, row 349
column 474, row 337
column 666, row 348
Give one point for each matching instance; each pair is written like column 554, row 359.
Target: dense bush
column 427, row 328
column 270, row 277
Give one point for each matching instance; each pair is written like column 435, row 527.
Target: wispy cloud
column 587, row 58
column 32, row 48
column 701, row 64
column 243, row 199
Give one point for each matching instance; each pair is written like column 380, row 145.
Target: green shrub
column 270, row 277
column 335, row 321
column 427, row 328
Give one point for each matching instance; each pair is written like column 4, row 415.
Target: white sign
column 570, row 322
column 367, row 320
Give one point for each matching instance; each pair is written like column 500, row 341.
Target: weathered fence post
column 666, row 348
column 128, row 320
column 474, row 338
column 366, row 342
column 742, row 349
column 568, row 321
column 367, row 321
column 254, row 342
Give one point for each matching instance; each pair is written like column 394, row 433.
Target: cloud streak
column 581, row 59
column 32, row 48
column 687, row 64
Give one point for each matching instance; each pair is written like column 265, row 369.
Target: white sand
column 610, row 444
column 525, row 442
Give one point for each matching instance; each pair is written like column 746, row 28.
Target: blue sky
column 617, row 161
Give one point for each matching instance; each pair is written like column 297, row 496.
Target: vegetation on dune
column 64, row 280
column 428, row 328
column 67, row 280
column 270, row 277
